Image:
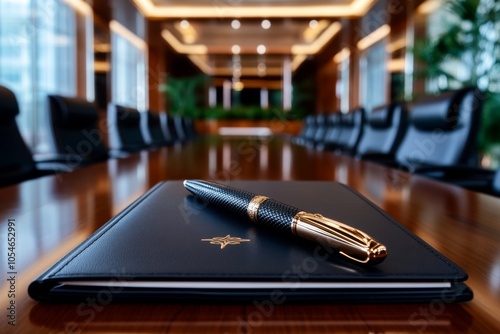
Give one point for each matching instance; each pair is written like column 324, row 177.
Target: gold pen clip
column 350, row 242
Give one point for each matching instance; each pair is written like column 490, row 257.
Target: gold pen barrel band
column 253, row 207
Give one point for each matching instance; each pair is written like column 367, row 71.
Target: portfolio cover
column 169, row 246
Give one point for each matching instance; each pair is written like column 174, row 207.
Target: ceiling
column 211, row 44
column 204, row 31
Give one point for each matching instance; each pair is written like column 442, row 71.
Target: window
column 373, row 71
column 128, row 63
column 38, row 45
column 342, row 88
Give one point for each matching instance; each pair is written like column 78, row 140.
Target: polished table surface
column 54, row 214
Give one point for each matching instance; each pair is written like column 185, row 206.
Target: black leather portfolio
column 169, row 246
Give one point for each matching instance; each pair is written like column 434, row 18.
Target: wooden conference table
column 54, row 214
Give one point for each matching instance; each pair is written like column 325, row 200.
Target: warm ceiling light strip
column 127, row 34
column 374, row 37
column 297, row 61
column 79, row 5
column 102, row 47
column 145, row 6
column 342, row 55
column 183, row 48
column 310, row 33
column 355, row 8
column 396, row 45
column 313, row 48
column 248, row 71
column 189, row 34
column 201, row 63
column 429, row 6
column 102, row 66
column 396, row 65
column 360, row 7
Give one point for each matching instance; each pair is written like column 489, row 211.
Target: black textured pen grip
column 276, row 215
column 271, row 213
column 231, row 200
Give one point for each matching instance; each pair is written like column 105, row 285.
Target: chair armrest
column 454, row 172
column 50, row 157
column 119, row 154
column 468, row 177
column 54, row 167
column 376, row 156
column 63, row 161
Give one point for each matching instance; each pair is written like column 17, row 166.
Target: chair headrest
column 129, row 117
column 358, row 114
column 153, row 118
column 355, row 116
column 310, row 119
column 9, row 108
column 439, row 112
column 335, row 118
column 72, row 111
column 348, row 119
column 321, row 119
column 381, row 116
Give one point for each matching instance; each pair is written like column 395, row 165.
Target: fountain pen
column 348, row 241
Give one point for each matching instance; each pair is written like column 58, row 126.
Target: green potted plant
column 471, row 40
column 183, row 95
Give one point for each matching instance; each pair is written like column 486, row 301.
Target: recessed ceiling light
column 235, row 24
column 235, row 49
column 261, row 69
column 184, row 24
column 266, row 24
column 261, row 49
column 313, row 24
column 238, row 86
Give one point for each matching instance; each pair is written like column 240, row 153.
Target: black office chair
column 184, row 128
column 306, row 124
column 125, row 133
column 168, row 128
column 495, row 184
column 152, row 129
column 180, row 128
column 307, row 131
column 352, row 130
column 477, row 179
column 443, row 131
column 441, row 135
column 74, row 131
column 332, row 135
column 190, row 129
column 384, row 130
column 322, row 126
column 16, row 162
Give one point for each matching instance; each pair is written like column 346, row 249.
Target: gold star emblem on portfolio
column 224, row 241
